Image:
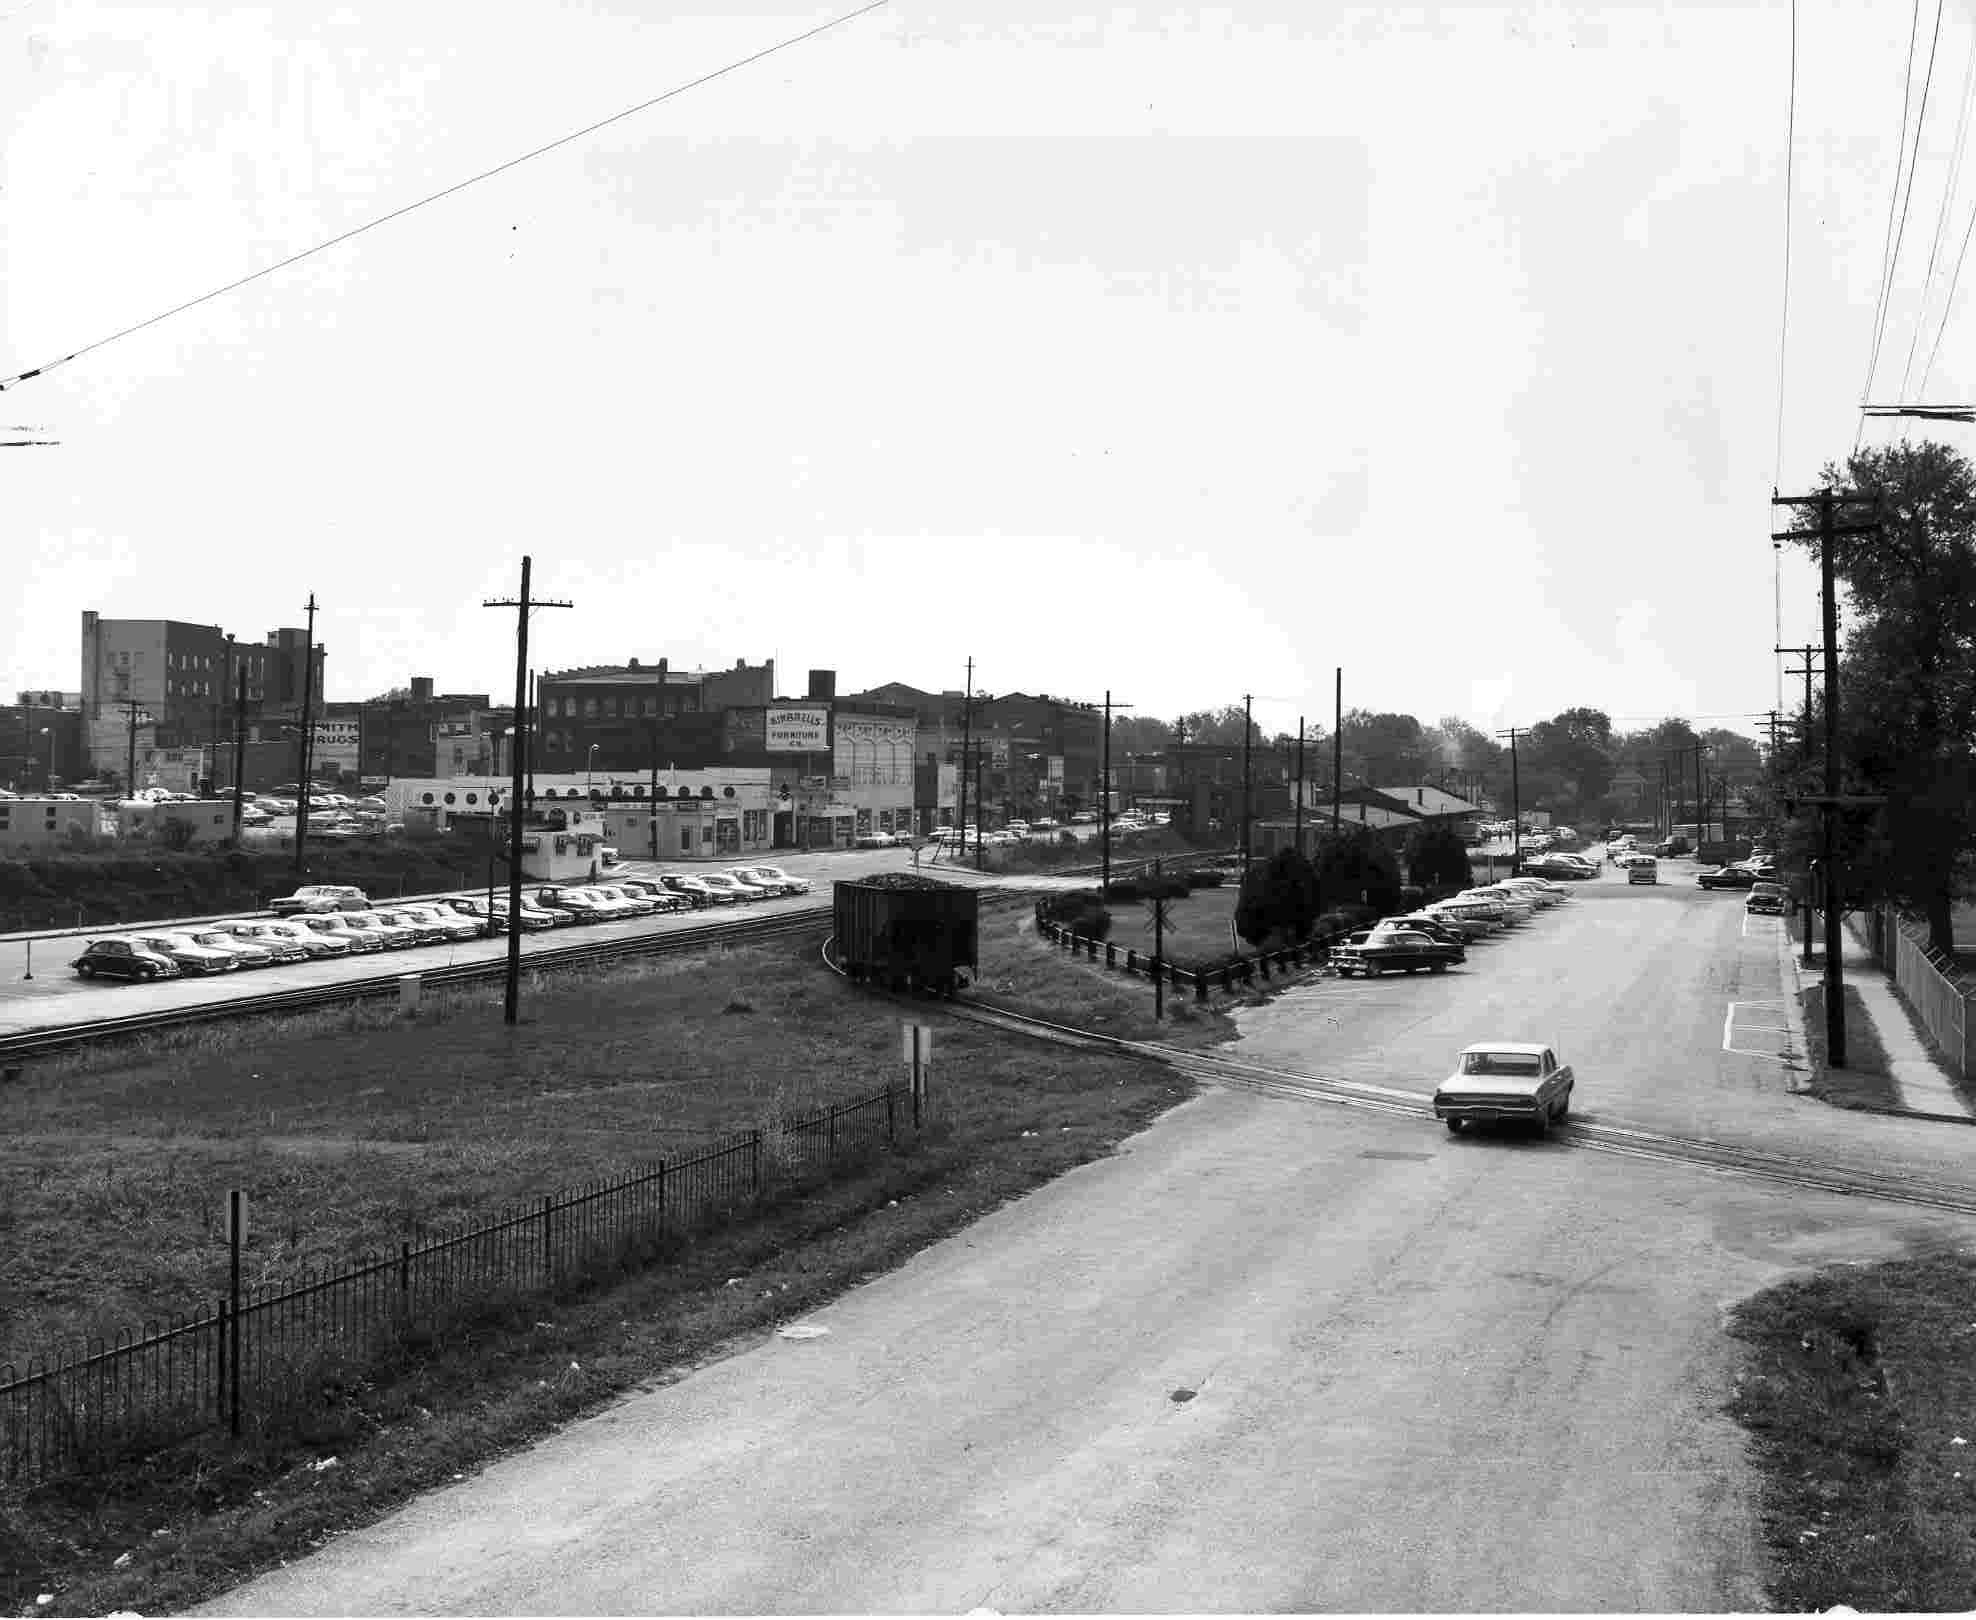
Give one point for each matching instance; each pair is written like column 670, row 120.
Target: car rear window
column 1499, row 1063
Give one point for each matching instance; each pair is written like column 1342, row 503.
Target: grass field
column 351, row 1128
column 1859, row 1395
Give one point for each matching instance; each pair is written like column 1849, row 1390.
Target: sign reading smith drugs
column 798, row 729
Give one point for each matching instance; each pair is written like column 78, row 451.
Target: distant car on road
column 1768, row 897
column 1643, row 869
column 123, row 958
column 1511, row 1081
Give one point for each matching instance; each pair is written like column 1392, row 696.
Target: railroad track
column 40, row 1042
column 1627, row 1142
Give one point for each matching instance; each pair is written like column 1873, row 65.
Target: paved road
column 1428, row 1372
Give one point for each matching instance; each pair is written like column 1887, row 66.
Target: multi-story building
column 41, row 740
column 416, row 732
column 160, row 685
column 634, row 716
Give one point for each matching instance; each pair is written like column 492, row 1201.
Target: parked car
column 572, row 903
column 1447, row 931
column 486, row 918
column 697, row 893
column 611, row 908
column 450, row 923
column 273, row 938
column 1673, row 846
column 396, row 935
column 321, row 897
column 1518, row 907
column 873, row 840
column 1768, row 897
column 249, row 952
column 636, row 905
column 1473, row 921
column 662, row 898
column 1398, row 951
column 123, row 958
column 1511, row 1081
column 336, row 925
column 1543, row 891
column 725, row 883
column 775, row 874
column 1727, row 877
column 190, row 956
column 313, row 943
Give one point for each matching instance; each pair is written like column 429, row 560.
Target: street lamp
column 588, row 763
column 48, row 775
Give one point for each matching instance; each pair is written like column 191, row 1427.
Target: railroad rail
column 1628, row 1142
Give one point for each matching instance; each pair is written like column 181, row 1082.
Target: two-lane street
column 1273, row 1355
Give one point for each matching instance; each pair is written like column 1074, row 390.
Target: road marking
column 1729, row 1032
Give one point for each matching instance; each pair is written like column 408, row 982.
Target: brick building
column 41, row 740
column 637, row 715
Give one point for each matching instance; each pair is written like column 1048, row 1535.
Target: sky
column 1183, row 353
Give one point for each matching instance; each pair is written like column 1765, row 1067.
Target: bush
column 1082, row 911
column 1279, row 899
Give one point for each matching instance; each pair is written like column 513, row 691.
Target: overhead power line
column 1942, row 216
column 1893, row 205
column 444, row 192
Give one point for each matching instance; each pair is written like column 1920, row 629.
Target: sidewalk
column 1921, row 1084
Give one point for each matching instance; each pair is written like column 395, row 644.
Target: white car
column 774, row 874
column 1545, row 894
column 1518, row 1081
column 317, row 942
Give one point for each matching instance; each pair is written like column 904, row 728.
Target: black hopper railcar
column 906, row 932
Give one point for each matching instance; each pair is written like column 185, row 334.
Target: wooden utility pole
column 1338, row 748
column 1299, row 812
column 1104, row 801
column 1829, row 529
column 239, row 746
column 967, row 738
column 1248, row 785
column 511, row 1001
column 308, row 736
column 1515, row 806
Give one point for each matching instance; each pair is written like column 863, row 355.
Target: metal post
column 236, row 1213
column 1104, row 808
column 967, row 738
column 1159, row 947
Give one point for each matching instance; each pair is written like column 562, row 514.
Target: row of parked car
column 1435, row 937
column 326, row 920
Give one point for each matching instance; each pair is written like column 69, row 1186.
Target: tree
column 1278, row 900
column 1223, row 726
column 1386, row 750
column 1908, row 678
column 1355, row 868
column 1436, row 857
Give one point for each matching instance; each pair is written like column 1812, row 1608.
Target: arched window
column 706, row 793
column 449, row 798
column 728, row 791
column 473, row 798
column 425, row 798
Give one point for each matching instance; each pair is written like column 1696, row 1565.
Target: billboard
column 335, row 743
column 1056, row 771
column 798, row 728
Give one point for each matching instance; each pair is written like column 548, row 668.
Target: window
column 686, row 840
column 590, row 708
column 611, row 707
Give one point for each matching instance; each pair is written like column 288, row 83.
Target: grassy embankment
column 1860, row 1395
column 351, row 1129
column 128, row 886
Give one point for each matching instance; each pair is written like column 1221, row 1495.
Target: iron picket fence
column 282, row 1347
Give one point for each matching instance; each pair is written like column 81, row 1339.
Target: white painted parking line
column 1730, row 1031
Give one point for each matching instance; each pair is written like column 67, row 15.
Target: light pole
column 589, row 763
column 48, row 773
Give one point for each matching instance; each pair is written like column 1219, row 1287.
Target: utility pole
column 1299, row 812
column 511, row 1002
column 1248, row 785
column 1807, row 654
column 1515, row 806
column 308, row 735
column 130, row 765
column 967, row 740
column 979, row 858
column 1104, row 801
column 1338, row 748
column 1827, row 531
column 239, row 746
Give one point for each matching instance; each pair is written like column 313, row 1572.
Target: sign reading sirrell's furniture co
column 798, row 729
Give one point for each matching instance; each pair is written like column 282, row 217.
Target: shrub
column 1082, row 911
column 1279, row 899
